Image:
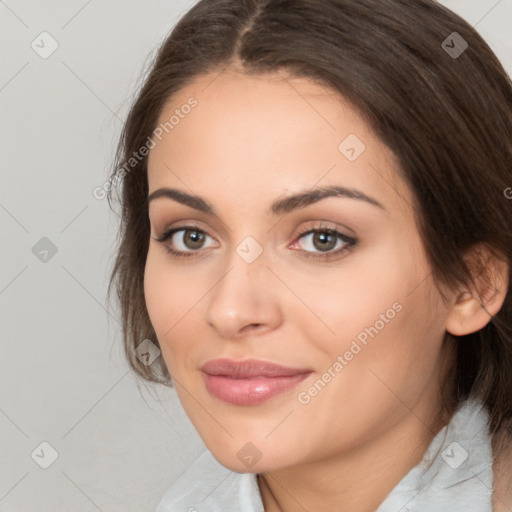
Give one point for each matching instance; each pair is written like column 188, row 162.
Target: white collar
column 456, row 472
column 454, row 475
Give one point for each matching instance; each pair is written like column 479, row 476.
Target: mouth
column 249, row 382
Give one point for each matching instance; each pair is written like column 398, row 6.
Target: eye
column 185, row 241
column 324, row 242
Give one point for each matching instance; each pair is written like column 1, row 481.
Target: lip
column 249, row 382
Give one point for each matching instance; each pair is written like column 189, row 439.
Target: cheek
column 381, row 377
column 385, row 324
column 400, row 353
column 365, row 292
column 168, row 294
column 159, row 301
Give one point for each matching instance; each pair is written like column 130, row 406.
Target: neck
column 358, row 479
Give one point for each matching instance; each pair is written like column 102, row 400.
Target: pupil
column 195, row 238
column 323, row 238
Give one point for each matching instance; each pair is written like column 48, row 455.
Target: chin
column 233, row 463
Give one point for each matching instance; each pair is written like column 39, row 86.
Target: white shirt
column 454, row 475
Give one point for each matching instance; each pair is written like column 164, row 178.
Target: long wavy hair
column 444, row 109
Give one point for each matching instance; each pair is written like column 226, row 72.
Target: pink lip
column 249, row 382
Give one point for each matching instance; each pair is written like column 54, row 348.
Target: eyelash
column 349, row 241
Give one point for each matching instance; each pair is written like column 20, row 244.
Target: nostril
column 252, row 326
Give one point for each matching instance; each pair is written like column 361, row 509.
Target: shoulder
column 206, row 484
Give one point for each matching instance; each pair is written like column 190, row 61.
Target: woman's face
column 356, row 312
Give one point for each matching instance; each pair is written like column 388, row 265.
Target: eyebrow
column 279, row 207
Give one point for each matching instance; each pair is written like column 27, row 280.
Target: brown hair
column 447, row 118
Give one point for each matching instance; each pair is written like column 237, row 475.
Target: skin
column 248, row 142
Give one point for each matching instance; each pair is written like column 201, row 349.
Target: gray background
column 63, row 378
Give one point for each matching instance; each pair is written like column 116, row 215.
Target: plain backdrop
column 78, row 431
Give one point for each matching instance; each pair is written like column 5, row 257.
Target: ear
column 475, row 304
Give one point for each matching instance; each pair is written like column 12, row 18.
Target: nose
column 244, row 300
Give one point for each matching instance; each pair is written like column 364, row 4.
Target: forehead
column 273, row 107
column 268, row 134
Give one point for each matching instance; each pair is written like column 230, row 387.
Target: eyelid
column 324, row 226
column 171, row 231
column 182, row 223
column 349, row 242
column 161, row 215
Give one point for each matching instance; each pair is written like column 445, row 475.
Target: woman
column 315, row 232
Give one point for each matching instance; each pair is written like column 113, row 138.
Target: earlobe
column 474, row 305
